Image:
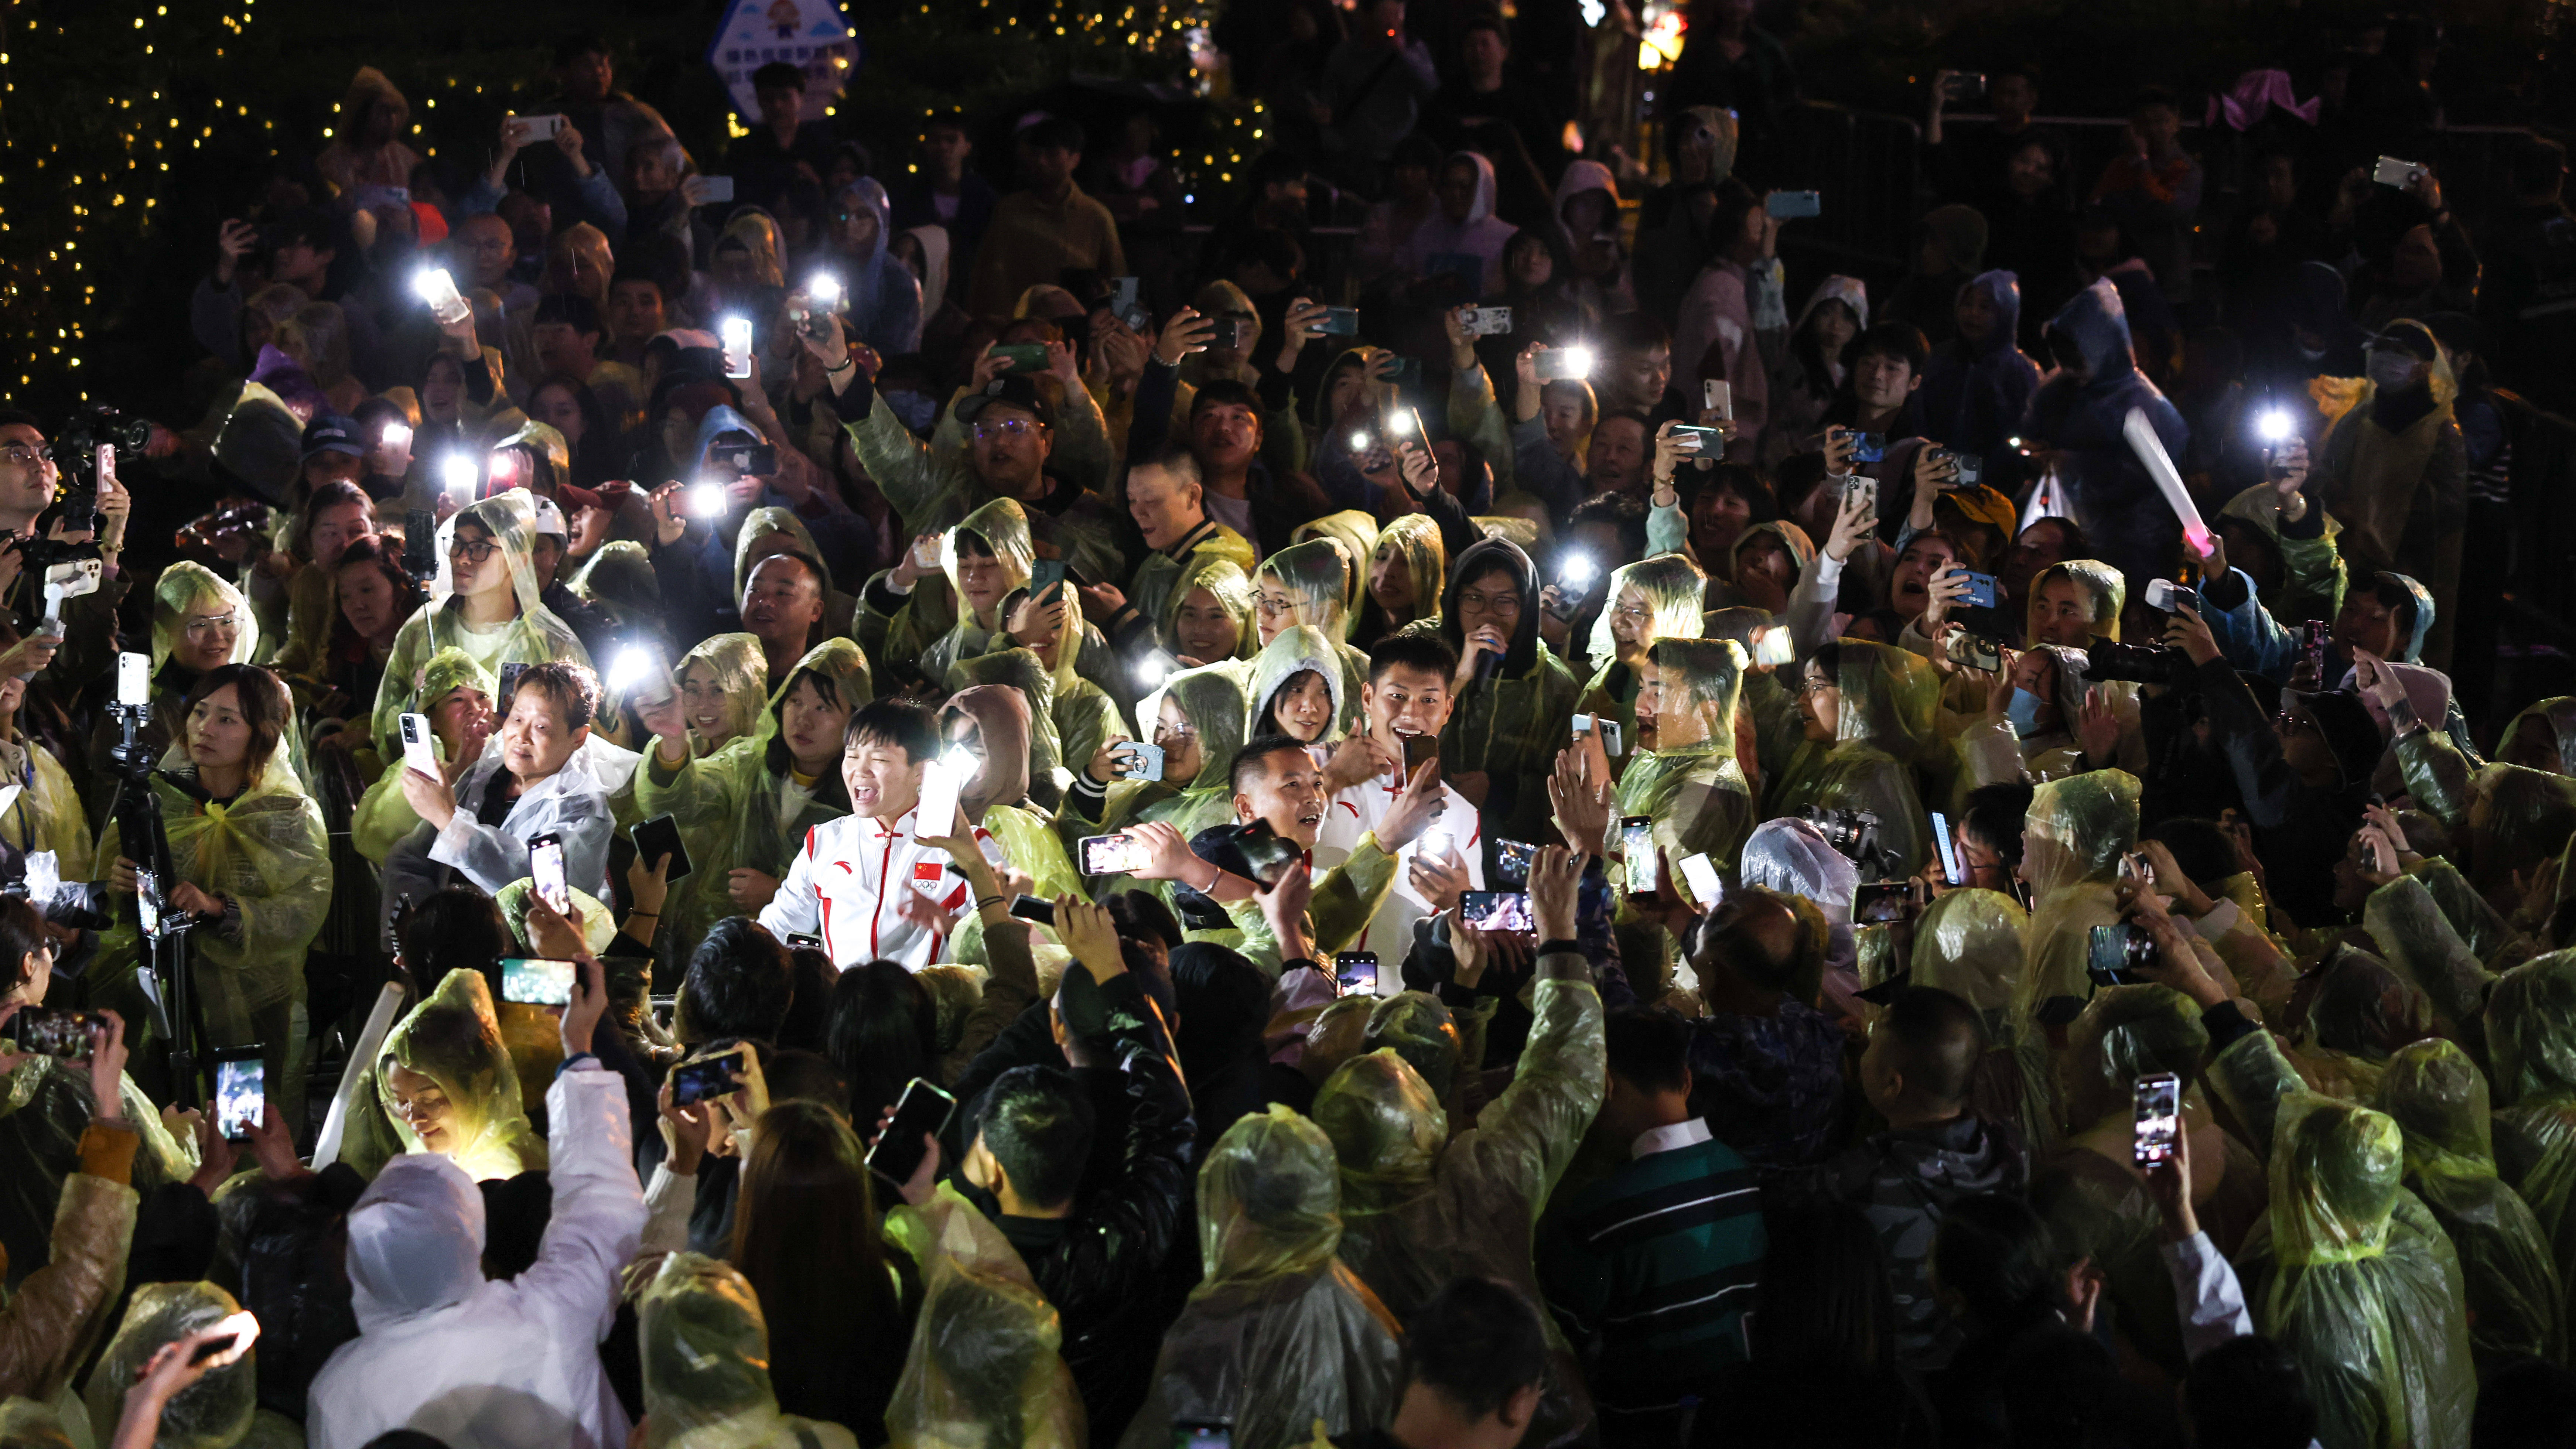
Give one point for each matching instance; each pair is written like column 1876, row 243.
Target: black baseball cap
column 331, row 433
column 1018, row 392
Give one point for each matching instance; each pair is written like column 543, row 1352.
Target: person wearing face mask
column 249, row 856
column 2394, row 472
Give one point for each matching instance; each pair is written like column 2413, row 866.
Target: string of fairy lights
column 109, row 113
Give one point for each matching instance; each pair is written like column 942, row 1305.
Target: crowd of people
column 819, row 812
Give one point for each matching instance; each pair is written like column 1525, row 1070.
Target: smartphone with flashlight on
column 1561, row 364
column 736, row 335
column 546, row 872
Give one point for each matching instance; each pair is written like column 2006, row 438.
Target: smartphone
column 937, row 810
column 752, row 460
column 1269, row 853
column 1951, row 874
column 53, row 1032
column 1034, row 908
column 546, row 869
column 1485, row 321
column 799, row 940
column 2392, row 172
column 534, row 982
column 1356, row 972
column 1512, row 861
column 1869, row 447
column 1981, row 591
column 713, row 189
column 1784, row 205
column 1718, row 395
column 1560, row 364
column 2168, row 596
column 241, row 1090
column 2158, row 1096
column 1637, row 849
column 214, row 1346
column 2111, row 955
column 1126, row 303
column 693, row 1082
column 704, row 500
column 1880, row 902
column 922, row 1111
column 736, row 334
column 1712, row 442
column 1046, row 576
column 1202, row 1434
column 1495, row 910
column 1111, row 854
column 2316, row 631
column 419, row 745
column 1405, row 372
column 1341, row 322
column 658, row 837
column 1025, row 357
column 1143, row 761
column 1864, row 487
column 133, row 679
column 1973, row 650
column 1699, row 873
column 420, row 543
column 536, row 128
column 436, row 286
column 1965, row 85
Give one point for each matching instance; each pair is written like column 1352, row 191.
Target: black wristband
column 1561, row 943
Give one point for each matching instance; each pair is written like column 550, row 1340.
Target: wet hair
column 1478, row 1341
column 571, row 688
column 1426, row 652
column 1648, row 1046
column 1037, row 1123
column 894, row 723
column 1256, row 753
column 737, row 985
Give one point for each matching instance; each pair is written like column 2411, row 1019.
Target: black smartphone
column 752, row 460
column 1356, row 972
column 694, row 1082
column 796, row 939
column 53, row 1032
column 509, row 687
column 1269, row 853
column 1034, row 908
column 212, row 1347
column 922, row 1111
column 1512, row 861
column 1496, row 911
column 658, row 837
column 420, row 543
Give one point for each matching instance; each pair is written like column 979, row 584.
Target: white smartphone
column 714, row 189
column 1112, row 854
column 1699, row 873
column 133, row 679
column 546, row 870
column 736, row 332
column 435, row 286
column 536, row 128
column 1950, row 872
column 937, row 812
column 1719, row 394
column 420, row 746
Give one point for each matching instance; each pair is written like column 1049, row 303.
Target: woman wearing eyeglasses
column 484, row 604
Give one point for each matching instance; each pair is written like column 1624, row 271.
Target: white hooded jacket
column 493, row 1365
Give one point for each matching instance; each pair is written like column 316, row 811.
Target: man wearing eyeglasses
column 88, row 645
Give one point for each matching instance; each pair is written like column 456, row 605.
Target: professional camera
column 2106, row 659
column 75, row 453
column 1854, row 836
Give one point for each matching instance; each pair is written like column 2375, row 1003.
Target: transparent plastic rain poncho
column 1696, row 792
column 2076, row 832
column 1020, row 670
column 1004, row 527
column 2556, row 719
column 1211, row 698
column 2358, row 1012
column 984, row 1370
column 1316, row 576
column 1671, row 587
column 1786, row 854
column 48, row 814
column 1969, row 943
column 2358, row 1282
column 2123, row 1034
column 1415, row 537
column 26, row 1424
column 454, row 1039
column 186, row 588
column 2103, row 589
column 1355, row 534
column 2531, row 1050
column 1230, row 584
column 1883, row 727
column 705, row 1352
column 997, row 798
column 384, row 816
column 269, row 852
column 619, row 578
column 753, row 544
column 1274, row 1294
column 2439, row 1098
column 740, row 670
column 745, row 796
column 212, row 1413
column 533, row 637
column 2508, row 818
column 1297, row 649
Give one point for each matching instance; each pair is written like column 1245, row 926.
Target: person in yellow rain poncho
column 1212, row 613
column 1354, row 533
column 446, row 1083
column 1683, row 777
column 1404, row 576
column 1421, row 1207
column 1656, row 599
column 1969, row 943
column 772, row 785
column 2516, row 1302
column 984, row 1369
column 2077, row 830
column 1074, row 718
column 199, row 622
column 216, row 1411
column 1871, row 706
column 1274, row 1292
column 1294, row 688
column 2508, row 815
column 2531, row 1048
column 2348, row 1270
column 990, row 725
column 484, row 603
column 772, row 530
column 248, row 851
column 1196, row 720
column 722, row 684
column 1309, row 584
column 705, row 1352
column 987, row 558
column 457, row 696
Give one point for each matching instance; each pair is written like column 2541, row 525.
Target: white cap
column 550, row 519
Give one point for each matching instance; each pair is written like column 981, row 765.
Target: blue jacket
column 884, row 296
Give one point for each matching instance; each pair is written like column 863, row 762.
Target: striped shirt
column 1653, row 1267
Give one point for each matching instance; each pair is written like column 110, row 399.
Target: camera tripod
column 178, row 1015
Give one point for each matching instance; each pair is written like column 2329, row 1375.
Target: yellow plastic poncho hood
column 1212, row 697
column 1317, row 576
column 1355, row 533
column 705, row 1352
column 1969, row 943
column 214, row 1412
column 1674, row 591
column 187, row 588
column 984, row 1368
column 454, row 1039
column 1297, row 649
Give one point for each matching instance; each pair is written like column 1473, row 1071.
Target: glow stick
column 2160, row 466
